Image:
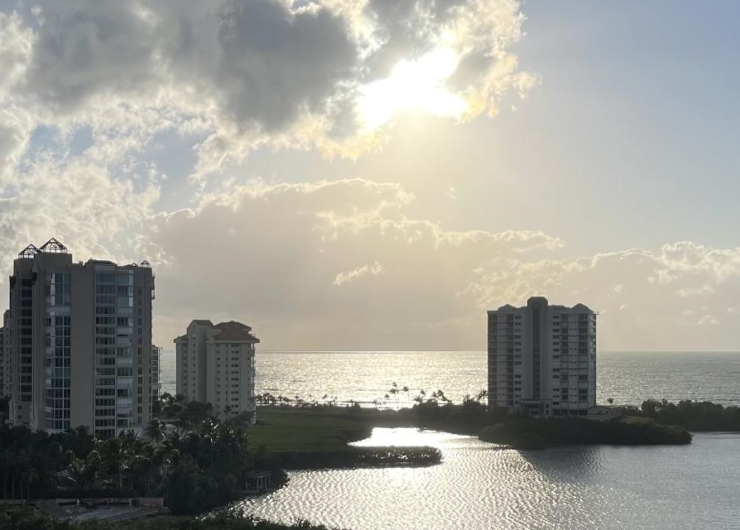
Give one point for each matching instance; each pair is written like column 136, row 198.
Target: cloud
column 376, row 269
column 89, row 85
column 344, row 265
column 81, row 204
column 285, row 258
column 664, row 295
column 242, row 74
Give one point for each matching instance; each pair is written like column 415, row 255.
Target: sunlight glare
column 413, row 85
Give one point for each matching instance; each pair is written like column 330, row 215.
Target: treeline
column 196, row 471
column 693, row 415
column 190, row 414
column 438, row 413
column 537, row 434
column 28, row 519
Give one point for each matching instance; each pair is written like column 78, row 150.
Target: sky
column 375, row 174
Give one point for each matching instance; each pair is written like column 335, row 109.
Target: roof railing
column 29, row 252
column 54, row 246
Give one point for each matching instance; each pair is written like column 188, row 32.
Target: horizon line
column 469, row 351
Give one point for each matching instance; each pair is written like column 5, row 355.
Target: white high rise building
column 215, row 364
column 79, row 338
column 542, row 359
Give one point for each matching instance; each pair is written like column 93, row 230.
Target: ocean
column 628, row 378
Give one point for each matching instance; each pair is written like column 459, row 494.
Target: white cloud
column 272, row 253
column 79, row 203
column 648, row 314
column 376, row 269
column 341, row 264
column 242, row 74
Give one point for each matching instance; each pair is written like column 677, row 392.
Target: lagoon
column 482, row 486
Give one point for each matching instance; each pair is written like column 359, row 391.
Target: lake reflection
column 483, row 486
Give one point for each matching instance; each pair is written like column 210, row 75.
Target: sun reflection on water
column 479, row 486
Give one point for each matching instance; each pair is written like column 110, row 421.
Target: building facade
column 5, row 378
column 542, row 359
column 215, row 364
column 80, row 342
column 155, row 381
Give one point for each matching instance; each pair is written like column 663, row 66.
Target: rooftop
column 235, row 331
column 227, row 331
column 539, row 300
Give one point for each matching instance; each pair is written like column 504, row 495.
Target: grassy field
column 306, row 430
column 281, row 429
column 318, row 438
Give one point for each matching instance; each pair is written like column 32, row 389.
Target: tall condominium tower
column 5, row 356
column 215, row 364
column 542, row 359
column 81, row 342
column 155, row 382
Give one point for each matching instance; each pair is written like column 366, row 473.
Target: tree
column 155, row 431
column 85, row 471
column 394, row 392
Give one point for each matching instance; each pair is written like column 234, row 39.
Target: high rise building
column 542, row 358
column 5, row 356
column 155, row 383
column 81, row 342
column 215, row 364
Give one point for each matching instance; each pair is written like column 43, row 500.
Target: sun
column 413, row 86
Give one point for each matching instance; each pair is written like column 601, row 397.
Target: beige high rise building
column 542, row 358
column 80, row 342
column 215, row 364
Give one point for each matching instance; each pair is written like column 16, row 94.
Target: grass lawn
column 287, row 429
column 317, row 438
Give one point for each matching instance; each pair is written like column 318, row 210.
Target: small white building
column 215, row 364
column 542, row 359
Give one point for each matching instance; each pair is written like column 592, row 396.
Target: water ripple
column 480, row 486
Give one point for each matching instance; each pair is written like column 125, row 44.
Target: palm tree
column 394, row 392
column 6, row 466
column 155, row 431
column 85, row 472
column 31, row 475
